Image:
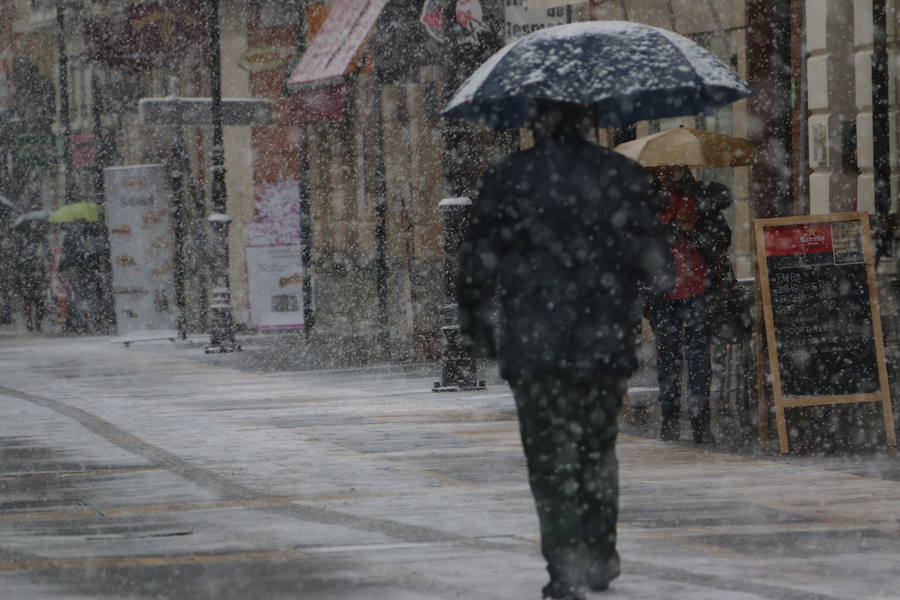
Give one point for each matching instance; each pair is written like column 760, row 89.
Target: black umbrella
column 626, row 71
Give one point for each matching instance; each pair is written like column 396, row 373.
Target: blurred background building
column 357, row 143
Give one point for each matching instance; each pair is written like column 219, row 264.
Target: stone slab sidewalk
column 148, row 472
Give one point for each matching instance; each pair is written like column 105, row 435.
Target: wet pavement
column 156, row 471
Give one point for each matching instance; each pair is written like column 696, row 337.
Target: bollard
column 458, row 369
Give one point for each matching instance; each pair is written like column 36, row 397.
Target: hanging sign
column 35, row 150
column 265, row 58
column 84, row 150
column 820, row 304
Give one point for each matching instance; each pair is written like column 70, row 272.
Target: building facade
column 365, row 159
column 852, row 81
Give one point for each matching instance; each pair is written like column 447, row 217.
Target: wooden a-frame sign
column 822, row 323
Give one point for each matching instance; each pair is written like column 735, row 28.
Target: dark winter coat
column 82, row 250
column 32, row 266
column 563, row 232
column 711, row 235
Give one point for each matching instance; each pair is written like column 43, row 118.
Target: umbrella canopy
column 86, row 211
column 29, row 218
column 690, row 147
column 626, row 71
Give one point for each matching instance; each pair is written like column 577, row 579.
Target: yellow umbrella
column 67, row 213
column 689, row 147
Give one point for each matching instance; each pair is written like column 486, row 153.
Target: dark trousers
column 683, row 333
column 567, row 420
column 33, row 290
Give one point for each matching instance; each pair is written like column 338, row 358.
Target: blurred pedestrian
column 81, row 261
column 683, row 319
column 31, row 275
column 7, row 260
column 563, row 233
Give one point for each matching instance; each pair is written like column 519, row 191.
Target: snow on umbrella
column 626, row 71
column 689, row 147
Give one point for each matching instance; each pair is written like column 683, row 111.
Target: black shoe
column 599, row 575
column 704, row 437
column 670, row 430
column 561, row 591
column 702, row 431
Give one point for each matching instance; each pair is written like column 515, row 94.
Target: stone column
column 875, row 48
column 867, row 159
column 832, row 109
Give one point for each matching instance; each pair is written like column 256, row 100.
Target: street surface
column 148, row 472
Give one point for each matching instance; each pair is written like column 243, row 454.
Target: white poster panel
column 141, row 245
column 274, row 258
column 275, row 284
column 522, row 19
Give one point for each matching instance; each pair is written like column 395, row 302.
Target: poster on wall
column 274, row 259
column 542, row 4
column 141, row 244
column 469, row 17
column 522, row 16
column 522, row 19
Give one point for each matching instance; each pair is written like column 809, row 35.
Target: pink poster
column 274, row 260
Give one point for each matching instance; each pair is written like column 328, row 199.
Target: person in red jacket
column 682, row 319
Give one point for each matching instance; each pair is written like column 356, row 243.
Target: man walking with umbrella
column 563, row 233
column 566, row 232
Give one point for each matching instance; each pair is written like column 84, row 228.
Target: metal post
column 177, row 168
column 63, row 82
column 304, row 193
column 381, row 225
column 176, row 173
column 106, row 309
column 100, row 160
column 306, row 236
column 458, row 369
column 221, row 331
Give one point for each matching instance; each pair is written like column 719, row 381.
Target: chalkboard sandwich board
column 820, row 306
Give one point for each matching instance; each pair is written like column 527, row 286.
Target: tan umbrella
column 689, row 147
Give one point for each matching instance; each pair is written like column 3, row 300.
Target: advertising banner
column 522, row 19
column 469, row 16
column 544, row 4
column 84, row 150
column 141, row 245
column 274, row 259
